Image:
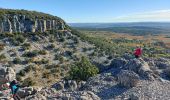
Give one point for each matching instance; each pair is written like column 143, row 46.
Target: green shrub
column 62, row 39
column 22, row 73
column 2, row 57
column 68, row 53
column 26, row 46
column 28, row 68
column 51, row 46
column 28, row 82
column 56, row 50
column 18, row 78
column 31, row 54
column 61, row 59
column 20, row 38
column 55, row 70
column 52, row 66
column 83, row 70
column 42, row 61
column 42, row 52
column 17, row 61
column 51, row 39
column 2, row 46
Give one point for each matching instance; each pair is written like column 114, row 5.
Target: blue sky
column 85, row 11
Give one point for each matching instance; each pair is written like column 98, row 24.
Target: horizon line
column 118, row 22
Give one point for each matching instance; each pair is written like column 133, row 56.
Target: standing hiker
column 138, row 52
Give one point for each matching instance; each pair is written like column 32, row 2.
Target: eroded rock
column 128, row 78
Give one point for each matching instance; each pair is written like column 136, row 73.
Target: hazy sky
column 97, row 10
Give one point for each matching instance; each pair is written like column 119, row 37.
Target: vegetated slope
column 40, row 47
column 113, row 44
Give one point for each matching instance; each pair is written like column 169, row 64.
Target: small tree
column 83, row 70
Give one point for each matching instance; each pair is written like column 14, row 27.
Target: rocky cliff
column 28, row 21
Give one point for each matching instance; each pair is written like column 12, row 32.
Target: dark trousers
column 136, row 56
column 16, row 97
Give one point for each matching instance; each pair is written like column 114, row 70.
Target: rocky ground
column 135, row 79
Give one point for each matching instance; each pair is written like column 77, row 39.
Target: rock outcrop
column 6, row 73
column 128, row 78
column 140, row 67
column 13, row 22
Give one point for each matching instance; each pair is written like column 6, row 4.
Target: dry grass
column 42, row 76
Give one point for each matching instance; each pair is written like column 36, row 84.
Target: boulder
column 6, row 73
column 58, row 86
column 81, row 84
column 10, row 74
column 134, row 96
column 140, row 67
column 26, row 91
column 128, row 78
column 71, row 85
column 162, row 63
column 36, row 97
column 2, row 76
column 118, row 63
column 79, row 95
column 127, row 56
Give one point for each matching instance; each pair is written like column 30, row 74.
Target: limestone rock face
column 22, row 23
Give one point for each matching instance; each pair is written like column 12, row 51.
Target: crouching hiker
column 138, row 52
column 14, row 86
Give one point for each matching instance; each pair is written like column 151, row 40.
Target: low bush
column 31, row 54
column 42, row 61
column 18, row 78
column 22, row 73
column 2, row 57
column 52, row 66
column 20, row 38
column 28, row 82
column 17, row 61
column 26, row 46
column 55, row 70
column 42, row 52
column 51, row 46
column 2, row 46
column 62, row 39
column 82, row 70
column 28, row 68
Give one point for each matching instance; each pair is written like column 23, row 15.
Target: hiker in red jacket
column 138, row 52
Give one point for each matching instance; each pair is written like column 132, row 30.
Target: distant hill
column 140, row 28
